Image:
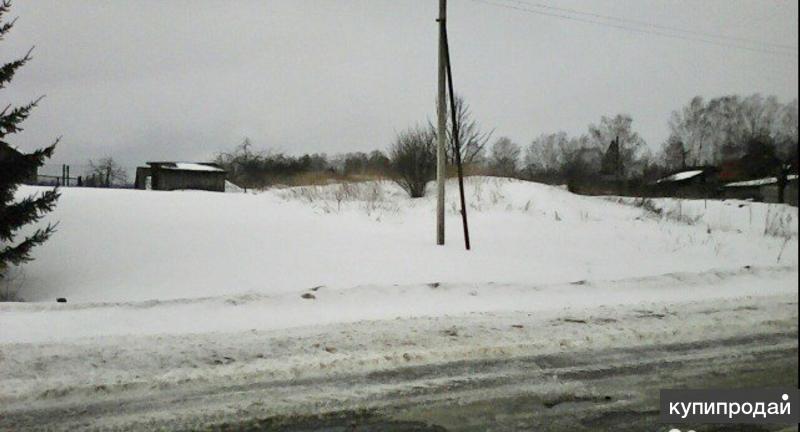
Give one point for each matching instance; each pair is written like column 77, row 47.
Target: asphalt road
column 594, row 383
column 582, row 391
column 619, row 390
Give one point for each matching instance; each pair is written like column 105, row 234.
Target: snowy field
column 129, row 246
column 179, row 292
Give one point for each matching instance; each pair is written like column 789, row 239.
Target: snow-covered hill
column 129, row 245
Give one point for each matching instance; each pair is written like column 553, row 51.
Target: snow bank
column 751, row 218
column 26, row 322
column 131, row 245
column 232, row 187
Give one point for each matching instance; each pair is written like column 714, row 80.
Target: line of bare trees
column 732, row 128
column 252, row 168
column 759, row 135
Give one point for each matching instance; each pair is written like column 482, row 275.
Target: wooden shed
column 166, row 176
column 697, row 182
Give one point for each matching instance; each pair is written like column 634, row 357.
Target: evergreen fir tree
column 16, row 167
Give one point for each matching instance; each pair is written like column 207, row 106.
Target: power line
column 749, row 20
column 779, row 51
column 635, row 29
column 658, row 26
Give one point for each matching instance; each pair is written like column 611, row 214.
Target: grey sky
column 178, row 79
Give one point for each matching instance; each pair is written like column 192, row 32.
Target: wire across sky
column 644, row 27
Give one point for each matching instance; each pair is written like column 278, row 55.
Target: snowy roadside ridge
column 39, row 323
column 690, row 278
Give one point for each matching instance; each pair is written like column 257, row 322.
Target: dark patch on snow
column 550, row 403
column 452, row 332
column 601, row 320
column 644, row 313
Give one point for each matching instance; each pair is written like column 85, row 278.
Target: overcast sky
column 181, row 80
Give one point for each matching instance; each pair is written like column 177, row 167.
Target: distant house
column 166, row 176
column 697, row 182
column 764, row 189
column 10, row 155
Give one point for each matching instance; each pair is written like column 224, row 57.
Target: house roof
column 188, row 166
column 680, row 176
column 760, row 182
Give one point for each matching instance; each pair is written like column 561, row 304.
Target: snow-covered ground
column 184, row 293
column 754, row 218
column 53, row 322
column 131, row 245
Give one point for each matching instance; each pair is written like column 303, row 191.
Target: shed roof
column 760, row 182
column 188, row 166
column 680, row 176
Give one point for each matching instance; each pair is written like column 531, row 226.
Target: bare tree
column 546, row 154
column 728, row 130
column 581, row 160
column 472, row 139
column 413, row 159
column 785, row 132
column 243, row 164
column 504, row 160
column 722, row 128
column 692, row 127
column 105, row 172
column 674, row 153
column 632, row 147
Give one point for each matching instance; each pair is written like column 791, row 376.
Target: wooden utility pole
column 456, row 145
column 441, row 134
column 619, row 166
